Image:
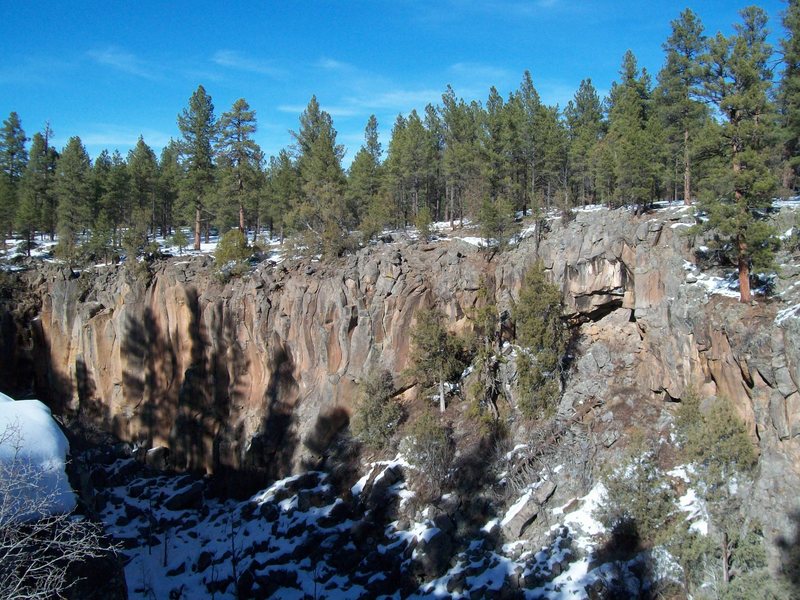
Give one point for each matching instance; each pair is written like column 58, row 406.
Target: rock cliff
column 261, row 372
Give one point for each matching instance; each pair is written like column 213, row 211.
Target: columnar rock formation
column 261, row 372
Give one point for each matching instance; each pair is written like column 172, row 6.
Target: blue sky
column 109, row 71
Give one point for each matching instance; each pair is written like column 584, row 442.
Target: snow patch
column 33, row 446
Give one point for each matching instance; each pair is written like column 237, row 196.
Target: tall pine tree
column 13, row 160
column 198, row 128
column 789, row 95
column 365, row 174
column 632, row 137
column 737, row 79
column 239, row 157
column 678, row 83
column 322, row 214
column 143, row 172
column 73, row 186
column 584, row 116
column 36, row 191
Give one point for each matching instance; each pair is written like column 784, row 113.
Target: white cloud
column 331, row 64
column 236, row 60
column 99, row 136
column 122, row 60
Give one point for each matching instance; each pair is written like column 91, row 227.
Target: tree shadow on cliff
column 148, row 380
column 269, row 453
column 49, row 385
column 334, row 450
column 212, row 387
column 789, row 546
column 191, row 408
column 624, row 554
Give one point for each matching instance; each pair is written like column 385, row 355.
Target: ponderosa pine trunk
column 687, row 178
column 197, row 227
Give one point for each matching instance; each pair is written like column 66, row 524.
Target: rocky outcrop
column 260, row 373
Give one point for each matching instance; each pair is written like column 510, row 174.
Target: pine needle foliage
column 377, row 413
column 542, row 335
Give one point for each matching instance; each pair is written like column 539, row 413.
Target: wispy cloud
column 233, row 59
column 341, row 111
column 479, row 71
column 27, row 70
column 331, row 64
column 110, row 136
column 122, row 60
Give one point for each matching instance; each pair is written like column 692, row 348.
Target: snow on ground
column 34, row 448
column 722, row 286
column 473, row 241
column 792, row 312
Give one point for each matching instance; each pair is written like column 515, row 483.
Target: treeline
column 719, row 124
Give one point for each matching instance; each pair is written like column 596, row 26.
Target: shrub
column 232, row 253
column 423, row 223
column 429, row 448
column 180, row 240
column 639, row 500
column 377, row 414
column 543, row 337
column 716, row 442
column 438, row 356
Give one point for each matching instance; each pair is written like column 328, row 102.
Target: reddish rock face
column 262, row 372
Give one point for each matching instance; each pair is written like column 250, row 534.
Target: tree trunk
column 744, row 270
column 726, row 576
column 442, row 406
column 687, row 173
column 197, row 227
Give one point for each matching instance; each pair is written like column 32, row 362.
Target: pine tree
column 737, row 80
column 168, row 181
column 364, row 177
column 554, row 167
column 462, row 158
column 632, row 136
column 284, row 189
column 789, row 95
column 115, row 203
column 36, row 191
column 198, row 128
column 531, row 109
column 322, row 213
column 143, row 172
column 394, row 173
column 239, row 157
column 436, row 356
column 73, row 186
column 678, row 83
column 584, row 117
column 13, row 160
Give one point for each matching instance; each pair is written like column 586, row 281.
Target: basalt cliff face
column 260, row 373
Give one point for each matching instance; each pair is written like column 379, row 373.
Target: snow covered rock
column 33, row 453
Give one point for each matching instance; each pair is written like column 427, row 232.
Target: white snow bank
column 34, row 450
column 793, row 312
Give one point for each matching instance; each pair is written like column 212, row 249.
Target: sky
column 113, row 70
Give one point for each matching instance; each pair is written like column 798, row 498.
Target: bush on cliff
column 542, row 334
column 377, row 413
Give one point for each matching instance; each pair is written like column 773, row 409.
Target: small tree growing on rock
column 717, row 443
column 429, row 448
column 377, row 414
column 232, row 253
column 542, row 335
column 437, row 352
